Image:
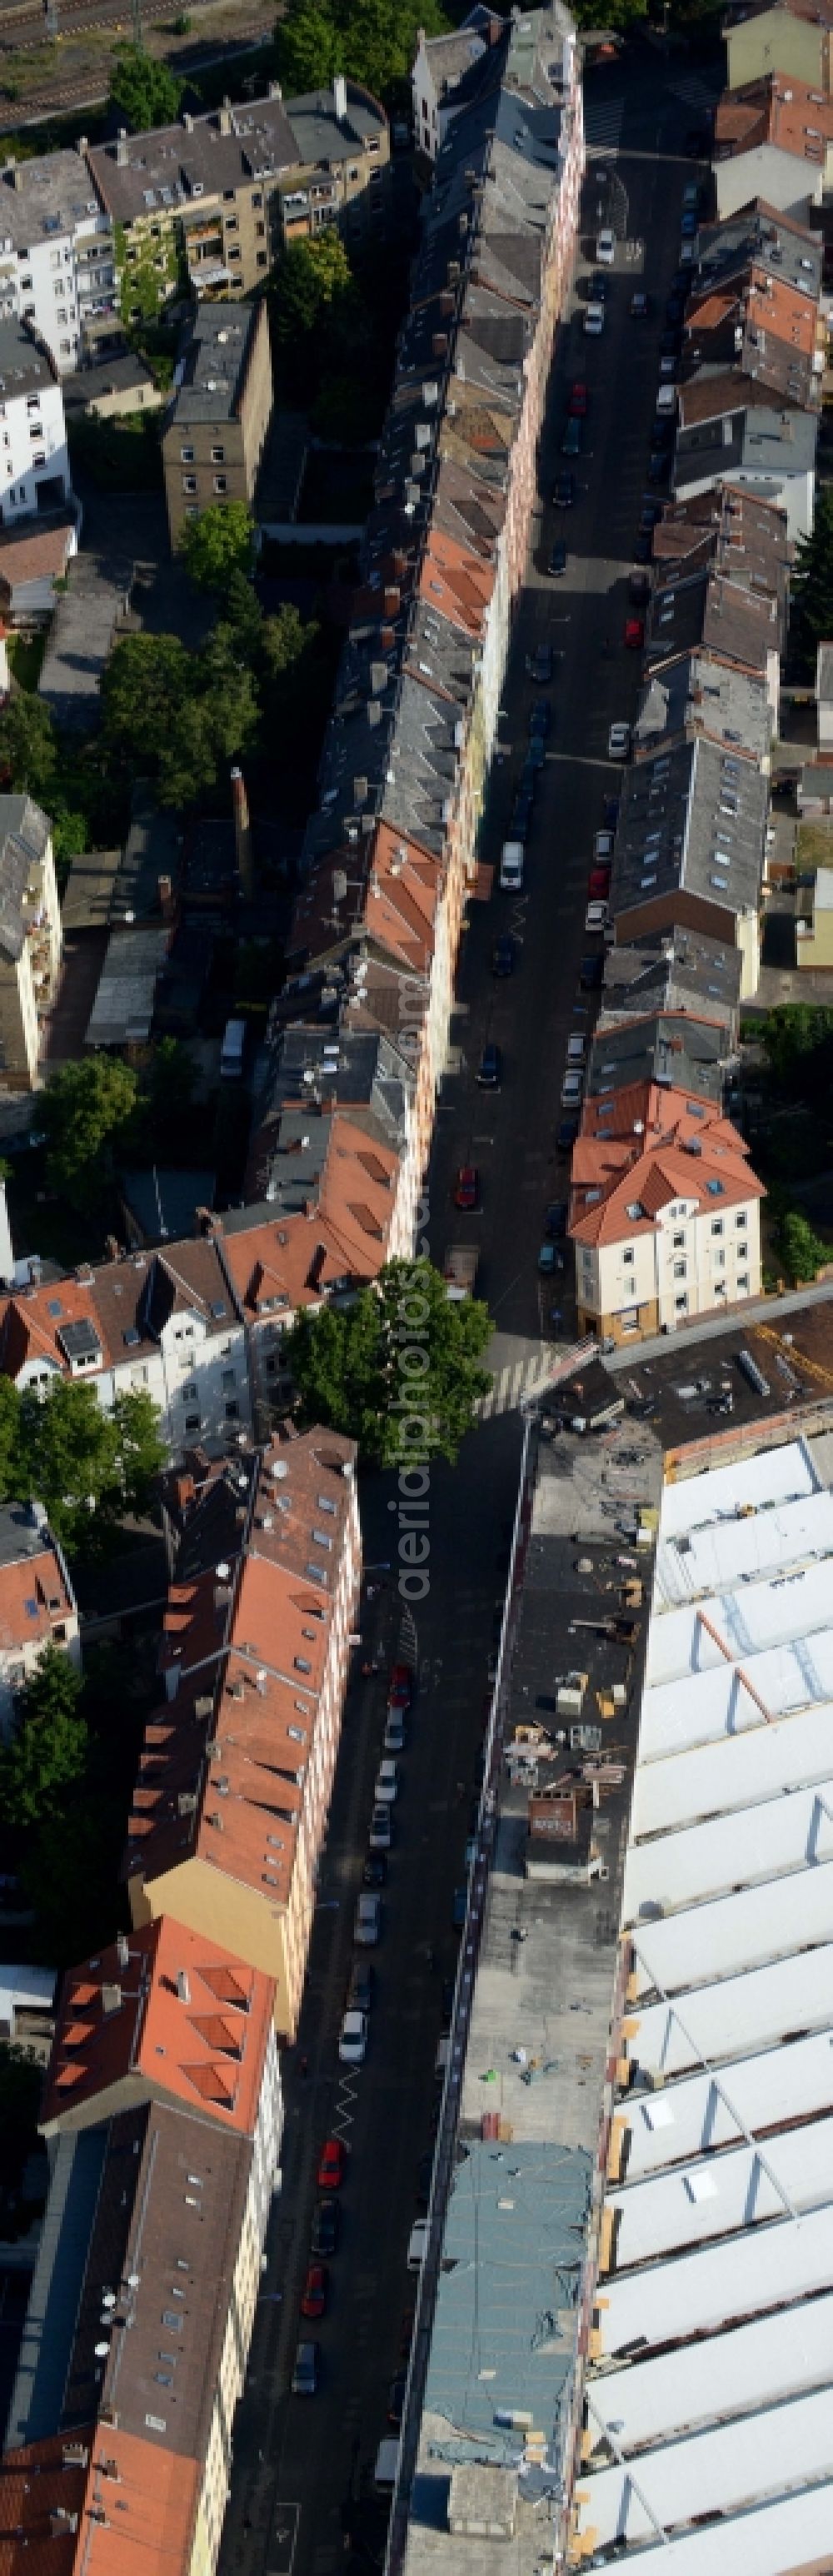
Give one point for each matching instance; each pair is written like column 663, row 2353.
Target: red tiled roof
column 173, row 2014
column 652, row 1148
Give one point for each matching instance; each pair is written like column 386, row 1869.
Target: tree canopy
column 811, row 581
column 84, row 1109
column 86, row 1466
column 373, row 41
column 355, row 1368
column 217, row 544
column 143, row 92
column 797, row 1039
column 46, row 1748
column 177, row 717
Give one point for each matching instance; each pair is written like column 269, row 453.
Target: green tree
column 139, row 1455
column 9, row 1437
column 69, row 1874
column 217, row 544
column 798, row 1043
column 311, row 279
column 308, row 47
column 143, row 92
column 88, row 1467
column 28, row 748
column 803, row 1251
column 811, row 581
column 84, row 1109
column 354, row 1368
column 47, row 1746
column 144, row 681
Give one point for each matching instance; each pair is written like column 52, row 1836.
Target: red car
column 598, row 882
column 331, row 2163
column 314, row 2298
column 399, row 1686
column 465, row 1187
column 577, row 405
column 634, row 633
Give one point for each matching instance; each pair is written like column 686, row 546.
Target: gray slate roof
column 696, row 692
column 692, row 819
column 672, row 1049
column 672, row 970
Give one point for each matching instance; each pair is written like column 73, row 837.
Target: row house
column 162, row 2113
column 729, row 531
column 391, row 853
column 773, row 138
column 450, row 71
column 673, row 970
column 34, row 464
column 334, row 1213
column 161, row 1323
column 663, row 1213
column 749, row 398
column 689, row 849
column 791, row 36
column 38, row 1607
column 217, row 196
column 694, row 693
column 231, row 1800
column 30, row 936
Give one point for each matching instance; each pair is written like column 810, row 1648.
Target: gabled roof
column 164, row 2012
column 645, row 1148
column 55, row 2500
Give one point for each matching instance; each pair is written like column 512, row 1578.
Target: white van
column 666, row 401
column 512, row 867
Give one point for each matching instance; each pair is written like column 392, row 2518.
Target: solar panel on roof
column 54, row 1306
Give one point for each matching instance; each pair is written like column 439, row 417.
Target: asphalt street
column 300, row 2503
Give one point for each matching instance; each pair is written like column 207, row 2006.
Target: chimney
column 392, row 600
column 242, row 833
column 439, row 344
column 182, row 1986
column 224, row 117
column 274, row 90
column 188, row 121
column 110, row 1999
column 121, row 148
column 340, row 98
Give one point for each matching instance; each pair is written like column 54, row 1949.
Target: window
column 257, row 198
column 740, row 1220
column 261, row 259
column 720, row 1260
column 628, row 1255
column 192, row 1422
column 681, row 1305
column 61, row 317
column 679, row 1269
column 228, row 196
column 232, row 1412
column 717, row 1225
column 218, row 456
column 302, row 1664
column 231, row 223
column 36, row 429
column 54, row 259
column 229, row 1378
column 190, row 1394
column 189, row 483
column 235, row 251
column 187, row 455
column 193, row 512
column 743, row 1284
column 678, row 1242
column 260, row 230
column 220, row 483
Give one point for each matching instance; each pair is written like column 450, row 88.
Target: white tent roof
column 727, row 2374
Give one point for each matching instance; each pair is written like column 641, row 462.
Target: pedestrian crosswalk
column 694, row 91
column 523, row 1369
column 602, row 124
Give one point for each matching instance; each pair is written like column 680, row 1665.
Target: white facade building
column 34, row 459
column 57, row 264
column 159, row 1324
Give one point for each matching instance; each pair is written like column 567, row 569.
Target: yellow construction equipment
column 793, row 1358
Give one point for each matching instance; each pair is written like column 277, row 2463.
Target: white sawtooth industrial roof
column 721, row 2195
column 775, row 1476
column 696, row 2115
column 734, row 1932
column 751, row 2365
column 785, row 1834
column 791, row 2533
column 755, row 1616
column 642, row 2310
column 735, row 1550
column 698, row 1708
column 735, row 2017
column 741, row 1770
column 728, row 2467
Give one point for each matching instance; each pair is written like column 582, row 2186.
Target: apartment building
column 762, row 330
column 216, row 196
column 664, row 1212
column 689, row 848
column 736, row 533
column 215, row 431
column 773, row 139
column 673, row 970
column 693, row 693
column 337, row 1207
column 30, row 936
column 37, row 1603
column 57, row 259
column 748, row 405
column 791, row 36
column 450, row 72
column 234, row 1782
column 34, row 462
column 164, row 1323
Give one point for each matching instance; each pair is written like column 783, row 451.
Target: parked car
column 367, row 1922
column 521, row 815
column 689, row 224
column 634, row 634
column 651, row 512
column 640, row 307
column 591, row 974
column 539, row 664
column 639, row 588
column 396, row 2398
column 571, row 437
column 332, row 2161
column 540, row 716
column 594, row 321
column 576, row 1047
column 670, row 343
column 536, row 754
column 598, row 882
column 555, row 1221
column 503, row 956
column 387, row 1784
column 374, row 1870
column 605, row 247
column 305, row 2370
column 596, row 916
column 577, row 404
column 691, row 195
column 417, row 2243
column 360, row 1987
column 558, row 559
column 511, row 868
column 597, row 288
column 314, row 2292
column 466, row 1186
column 565, row 1135
column 659, row 466
column 394, row 1737
column 380, row 1836
column 572, row 1088
column 325, row 2226
column 610, row 810
column 619, row 742
column 565, row 490
column 546, row 1259
column 643, row 546
column 458, row 1908
column 603, row 846
column 400, row 1686
column 352, row 2044
column 490, row 1068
